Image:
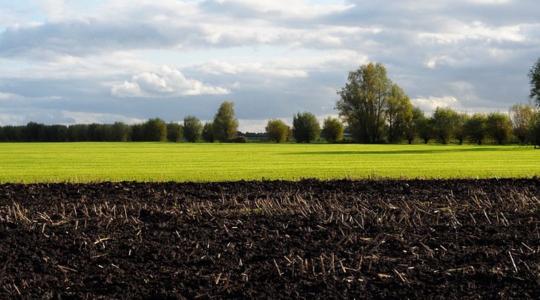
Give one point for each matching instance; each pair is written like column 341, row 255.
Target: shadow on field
column 398, row 152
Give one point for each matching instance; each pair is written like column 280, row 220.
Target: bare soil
column 308, row 239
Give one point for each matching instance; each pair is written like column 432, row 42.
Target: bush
column 333, row 130
column 238, row 139
column 306, row 128
column 277, row 131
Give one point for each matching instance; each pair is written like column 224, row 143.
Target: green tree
column 499, row 127
column 425, row 128
column 475, row 128
column 120, row 132
column 363, row 101
column 277, row 131
column 306, row 128
column 155, row 130
column 225, row 124
column 192, row 129
column 411, row 127
column 174, row 132
column 208, row 133
column 399, row 114
column 535, row 130
column 534, row 75
column 522, row 117
column 460, row 132
column 333, row 130
column 445, row 121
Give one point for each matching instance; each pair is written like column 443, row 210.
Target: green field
column 89, row 162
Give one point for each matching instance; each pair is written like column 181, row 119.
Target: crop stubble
column 307, row 239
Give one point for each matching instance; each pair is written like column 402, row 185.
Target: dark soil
column 309, row 239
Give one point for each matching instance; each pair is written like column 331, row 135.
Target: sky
column 75, row 61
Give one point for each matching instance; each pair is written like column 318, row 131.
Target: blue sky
column 69, row 61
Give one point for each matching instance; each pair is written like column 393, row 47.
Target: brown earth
column 309, row 239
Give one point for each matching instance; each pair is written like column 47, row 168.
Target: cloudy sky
column 78, row 61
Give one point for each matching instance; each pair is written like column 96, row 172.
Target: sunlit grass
column 88, row 162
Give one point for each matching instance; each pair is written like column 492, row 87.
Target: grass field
column 90, row 162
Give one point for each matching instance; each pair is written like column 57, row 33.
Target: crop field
column 97, row 162
column 307, row 239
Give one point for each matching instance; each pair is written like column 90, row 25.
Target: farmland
column 308, row 239
column 97, row 162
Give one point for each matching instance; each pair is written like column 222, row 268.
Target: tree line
column 372, row 109
column 223, row 128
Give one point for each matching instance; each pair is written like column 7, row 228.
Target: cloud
column 272, row 58
column 429, row 104
column 168, row 82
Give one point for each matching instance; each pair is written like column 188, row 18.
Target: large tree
column 445, row 121
column 499, row 127
column 192, row 129
column 306, row 128
column 363, row 102
column 225, row 125
column 522, row 116
column 534, row 75
column 399, row 114
column 277, row 131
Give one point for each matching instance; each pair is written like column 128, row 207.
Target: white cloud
column 168, row 82
column 429, row 104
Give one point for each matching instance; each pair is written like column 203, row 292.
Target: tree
column 399, row 113
column 225, row 125
column 522, row 117
column 460, row 132
column 475, row 128
column 411, row 127
column 445, row 121
column 333, row 130
column 363, row 102
column 534, row 76
column 155, row 130
column 499, row 127
column 174, row 132
column 120, row 132
column 535, row 130
column 425, row 128
column 277, row 131
column 208, row 133
column 192, row 129
column 306, row 128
